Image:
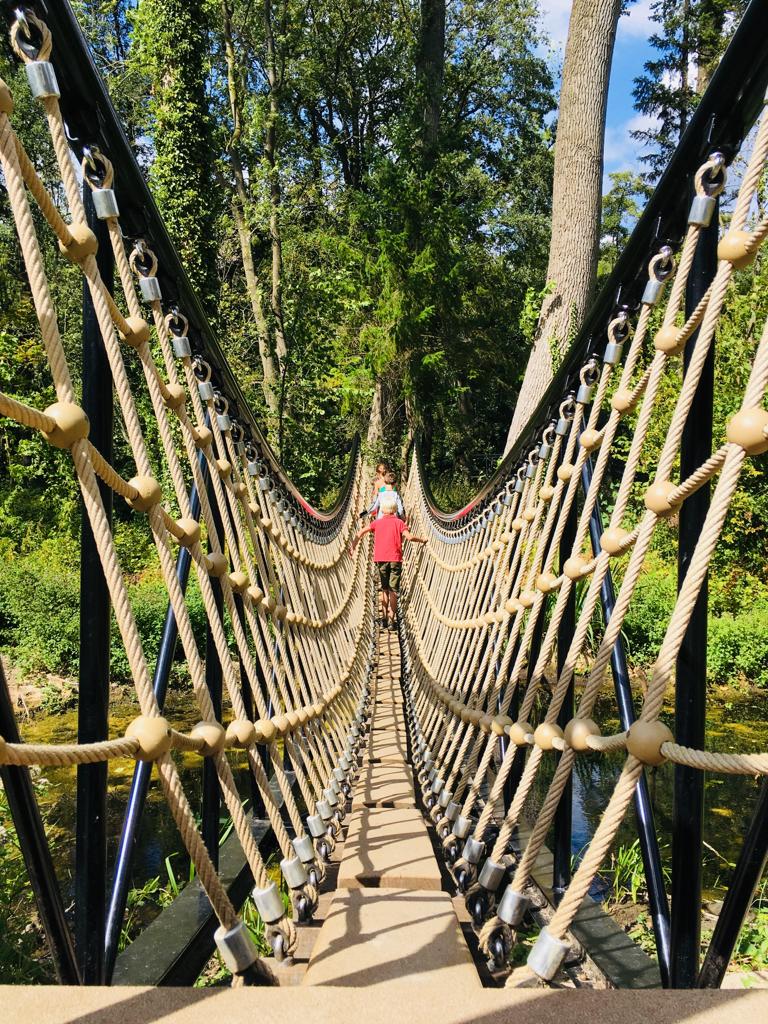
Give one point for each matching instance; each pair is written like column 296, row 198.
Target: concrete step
column 375, row 935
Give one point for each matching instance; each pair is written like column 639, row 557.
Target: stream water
column 738, row 725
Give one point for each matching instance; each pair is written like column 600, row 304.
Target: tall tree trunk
column 275, row 193
column 576, row 195
column 430, row 70
column 239, row 206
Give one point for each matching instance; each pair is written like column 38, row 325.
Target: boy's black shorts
column 389, row 574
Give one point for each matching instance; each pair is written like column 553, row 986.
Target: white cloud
column 622, row 151
column 636, row 23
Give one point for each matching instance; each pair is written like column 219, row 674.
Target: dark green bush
column 649, row 612
column 738, row 648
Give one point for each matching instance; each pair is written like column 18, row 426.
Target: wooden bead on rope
column 545, row 734
column 590, row 439
column 657, row 498
column 153, row 736
column 485, row 722
column 576, row 567
column 623, row 400
column 216, row 563
column 512, row 606
column 213, row 736
column 175, row 396
column 500, row 724
column 518, row 524
column 137, row 333
column 241, row 491
column 83, row 244
column 527, row 598
column 280, row 612
column 203, row 437
column 565, row 472
column 241, row 733
column 224, row 466
column 293, row 720
column 6, row 99
column 319, row 707
column 613, row 540
column 749, row 430
column 148, row 493
column 578, row 731
column 239, row 581
column 282, row 725
column 191, row 532
column 256, row 595
column 519, row 733
column 71, row 424
column 255, row 511
column 529, row 515
column 733, row 247
column 645, row 740
column 265, row 731
column 546, row 582
column 547, row 492
column 668, row 340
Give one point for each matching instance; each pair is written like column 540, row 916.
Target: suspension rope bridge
column 395, row 770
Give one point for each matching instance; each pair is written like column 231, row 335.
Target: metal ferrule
column 530, row 469
column 462, row 826
column 42, row 80
column 324, row 810
column 316, row 826
column 519, row 486
column 235, row 945
column 428, row 762
column 339, row 774
column 452, row 811
column 431, row 774
column 562, row 426
column 547, row 955
column 344, row 763
column 491, row 874
column 653, row 291
column 702, row 209
column 105, row 203
column 150, row 289
column 206, row 390
column 507, row 499
column 512, row 907
column 584, row 394
column 181, row 347
column 240, row 447
column 225, row 423
column 445, row 798
column 304, row 848
column 330, row 798
column 355, row 730
column 335, row 786
column 294, row 872
column 544, row 450
column 264, row 483
column 614, row 350
column 268, row 902
column 253, row 468
column 473, row 850
column 437, row 785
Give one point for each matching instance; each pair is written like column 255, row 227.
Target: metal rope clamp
column 268, row 902
column 473, row 849
column 294, row 872
column 618, row 332
column 491, row 874
column 236, row 947
column 512, row 906
column 547, row 440
column 203, row 373
column 659, row 272
column 221, row 405
column 178, row 325
column 533, row 461
column 588, row 376
column 462, row 826
column 304, row 848
column 316, row 827
column 149, row 286
column 711, row 180
column 567, row 410
column 547, row 955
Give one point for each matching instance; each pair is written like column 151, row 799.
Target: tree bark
column 576, row 196
column 275, row 193
column 430, row 71
column 239, row 206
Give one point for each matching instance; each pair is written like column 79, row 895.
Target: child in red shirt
column 388, row 533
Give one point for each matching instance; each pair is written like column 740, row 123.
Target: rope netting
column 483, row 602
column 295, row 618
column 486, row 600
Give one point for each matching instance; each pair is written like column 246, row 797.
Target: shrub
column 738, row 647
column 649, row 612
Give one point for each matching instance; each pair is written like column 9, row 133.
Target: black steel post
column 93, row 692
column 691, row 670
column 646, row 826
column 746, row 876
column 561, row 847
column 35, row 850
column 143, row 770
column 213, row 679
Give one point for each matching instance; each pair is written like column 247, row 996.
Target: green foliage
column 737, row 651
column 649, row 612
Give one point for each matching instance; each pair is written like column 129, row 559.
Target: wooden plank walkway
column 389, row 918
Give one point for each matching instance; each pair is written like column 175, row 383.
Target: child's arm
column 412, row 537
column 359, row 535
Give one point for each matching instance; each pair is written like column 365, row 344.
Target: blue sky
column 631, row 52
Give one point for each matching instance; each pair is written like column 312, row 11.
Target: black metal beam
column 691, row 670
column 95, row 614
column 646, row 826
